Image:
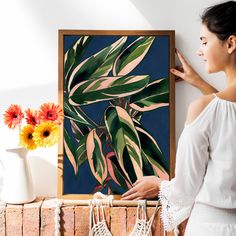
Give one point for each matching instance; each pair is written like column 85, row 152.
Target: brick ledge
column 37, row 219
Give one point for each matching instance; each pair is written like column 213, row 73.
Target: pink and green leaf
column 74, row 55
column 96, row 158
column 81, row 151
column 125, row 141
column 132, row 56
column 153, row 159
column 70, row 150
column 76, row 153
column 99, row 64
column 75, row 114
column 153, row 96
column 116, row 172
column 107, row 65
column 106, row 88
column 79, row 130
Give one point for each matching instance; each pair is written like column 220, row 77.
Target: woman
column 204, row 187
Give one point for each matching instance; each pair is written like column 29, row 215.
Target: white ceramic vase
column 17, row 180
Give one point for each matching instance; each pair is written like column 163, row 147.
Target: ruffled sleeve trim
column 172, row 214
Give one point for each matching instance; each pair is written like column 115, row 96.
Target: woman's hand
column 185, row 71
column 188, row 74
column 145, row 188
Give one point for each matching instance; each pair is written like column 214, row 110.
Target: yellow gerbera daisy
column 46, row 134
column 26, row 137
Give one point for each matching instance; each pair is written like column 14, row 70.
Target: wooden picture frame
column 117, row 95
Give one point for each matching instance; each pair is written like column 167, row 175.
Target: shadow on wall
column 43, row 173
column 51, row 15
column 170, row 13
column 157, row 13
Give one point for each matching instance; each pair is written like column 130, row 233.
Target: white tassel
column 57, row 218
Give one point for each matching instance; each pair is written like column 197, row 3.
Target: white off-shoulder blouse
column 205, row 168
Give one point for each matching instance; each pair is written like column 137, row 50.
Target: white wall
column 29, row 54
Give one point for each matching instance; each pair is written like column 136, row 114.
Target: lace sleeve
column 172, row 214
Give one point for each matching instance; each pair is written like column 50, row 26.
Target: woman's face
column 213, row 51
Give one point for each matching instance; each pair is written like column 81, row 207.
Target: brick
column 106, row 214
column 31, row 218
column 47, row 217
column 82, row 220
column 131, row 219
column 118, row 221
column 67, row 221
column 2, row 218
column 14, row 220
column 171, row 233
column 157, row 229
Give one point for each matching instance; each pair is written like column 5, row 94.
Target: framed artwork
column 118, row 99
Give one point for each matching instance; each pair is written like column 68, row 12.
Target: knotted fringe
column 98, row 227
column 57, row 217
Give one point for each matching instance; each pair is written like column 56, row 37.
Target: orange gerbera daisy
column 13, row 116
column 32, row 117
column 51, row 112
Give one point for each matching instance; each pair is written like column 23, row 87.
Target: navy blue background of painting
column 156, row 122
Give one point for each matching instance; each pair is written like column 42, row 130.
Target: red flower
column 51, row 112
column 32, row 117
column 13, row 116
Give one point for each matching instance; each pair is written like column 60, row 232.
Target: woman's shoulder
column 197, row 107
column 228, row 94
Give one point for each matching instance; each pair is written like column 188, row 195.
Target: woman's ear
column 231, row 44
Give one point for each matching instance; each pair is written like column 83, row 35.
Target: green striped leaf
column 107, row 65
column 81, row 151
column 76, row 153
column 125, row 141
column 116, row 172
column 138, row 116
column 153, row 96
column 97, row 65
column 75, row 114
column 70, row 151
column 153, row 158
column 96, row 158
column 132, row 56
column 79, row 125
column 74, row 55
column 79, row 130
column 106, row 88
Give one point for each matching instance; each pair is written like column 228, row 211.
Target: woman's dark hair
column 221, row 19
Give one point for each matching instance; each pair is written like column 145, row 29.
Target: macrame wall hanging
column 97, row 222
column 143, row 226
column 98, row 227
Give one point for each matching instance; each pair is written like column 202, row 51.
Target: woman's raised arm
column 188, row 74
